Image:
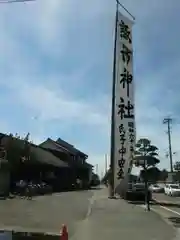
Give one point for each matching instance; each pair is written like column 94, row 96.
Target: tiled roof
column 41, row 155
column 58, row 147
column 46, row 157
column 70, row 147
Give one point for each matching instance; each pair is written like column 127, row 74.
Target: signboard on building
column 124, row 135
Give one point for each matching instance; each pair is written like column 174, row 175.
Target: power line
column 168, row 121
column 15, row 1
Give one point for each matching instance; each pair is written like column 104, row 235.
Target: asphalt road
column 162, row 197
column 171, row 203
column 48, row 213
column 117, row 219
column 169, row 208
column 45, row 213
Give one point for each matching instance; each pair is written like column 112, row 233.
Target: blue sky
column 56, row 71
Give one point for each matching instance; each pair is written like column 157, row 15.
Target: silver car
column 172, row 190
column 156, row 188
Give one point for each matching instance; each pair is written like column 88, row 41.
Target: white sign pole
column 124, row 124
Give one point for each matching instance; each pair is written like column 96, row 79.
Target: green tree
column 18, row 151
column 164, row 175
column 145, row 154
column 108, row 177
column 14, row 150
column 26, row 148
column 177, row 166
column 146, row 157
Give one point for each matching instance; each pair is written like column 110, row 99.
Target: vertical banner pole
column 122, row 118
column 112, row 156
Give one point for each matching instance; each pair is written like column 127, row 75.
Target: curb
column 161, row 202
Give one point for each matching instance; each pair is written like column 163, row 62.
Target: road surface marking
column 166, row 208
column 170, row 210
column 91, row 202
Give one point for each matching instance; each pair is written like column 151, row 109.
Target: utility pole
column 96, row 169
column 106, row 167
column 168, row 121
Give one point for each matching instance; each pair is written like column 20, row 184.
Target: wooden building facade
column 49, row 162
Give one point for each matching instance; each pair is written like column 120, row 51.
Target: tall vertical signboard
column 124, row 120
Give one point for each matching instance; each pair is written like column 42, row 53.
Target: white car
column 156, row 188
column 172, row 189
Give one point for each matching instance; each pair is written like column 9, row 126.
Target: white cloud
column 52, row 104
column 47, row 23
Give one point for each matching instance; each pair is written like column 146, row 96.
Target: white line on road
column 166, row 208
column 170, row 210
column 91, row 201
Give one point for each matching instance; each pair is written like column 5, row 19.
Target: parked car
column 139, row 189
column 172, row 190
column 156, row 188
column 136, row 192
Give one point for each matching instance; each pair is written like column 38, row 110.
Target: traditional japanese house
column 4, row 177
column 74, row 157
column 33, row 163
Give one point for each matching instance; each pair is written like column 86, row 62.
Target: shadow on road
column 161, row 203
column 97, row 188
column 136, row 202
column 175, row 221
column 166, row 204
